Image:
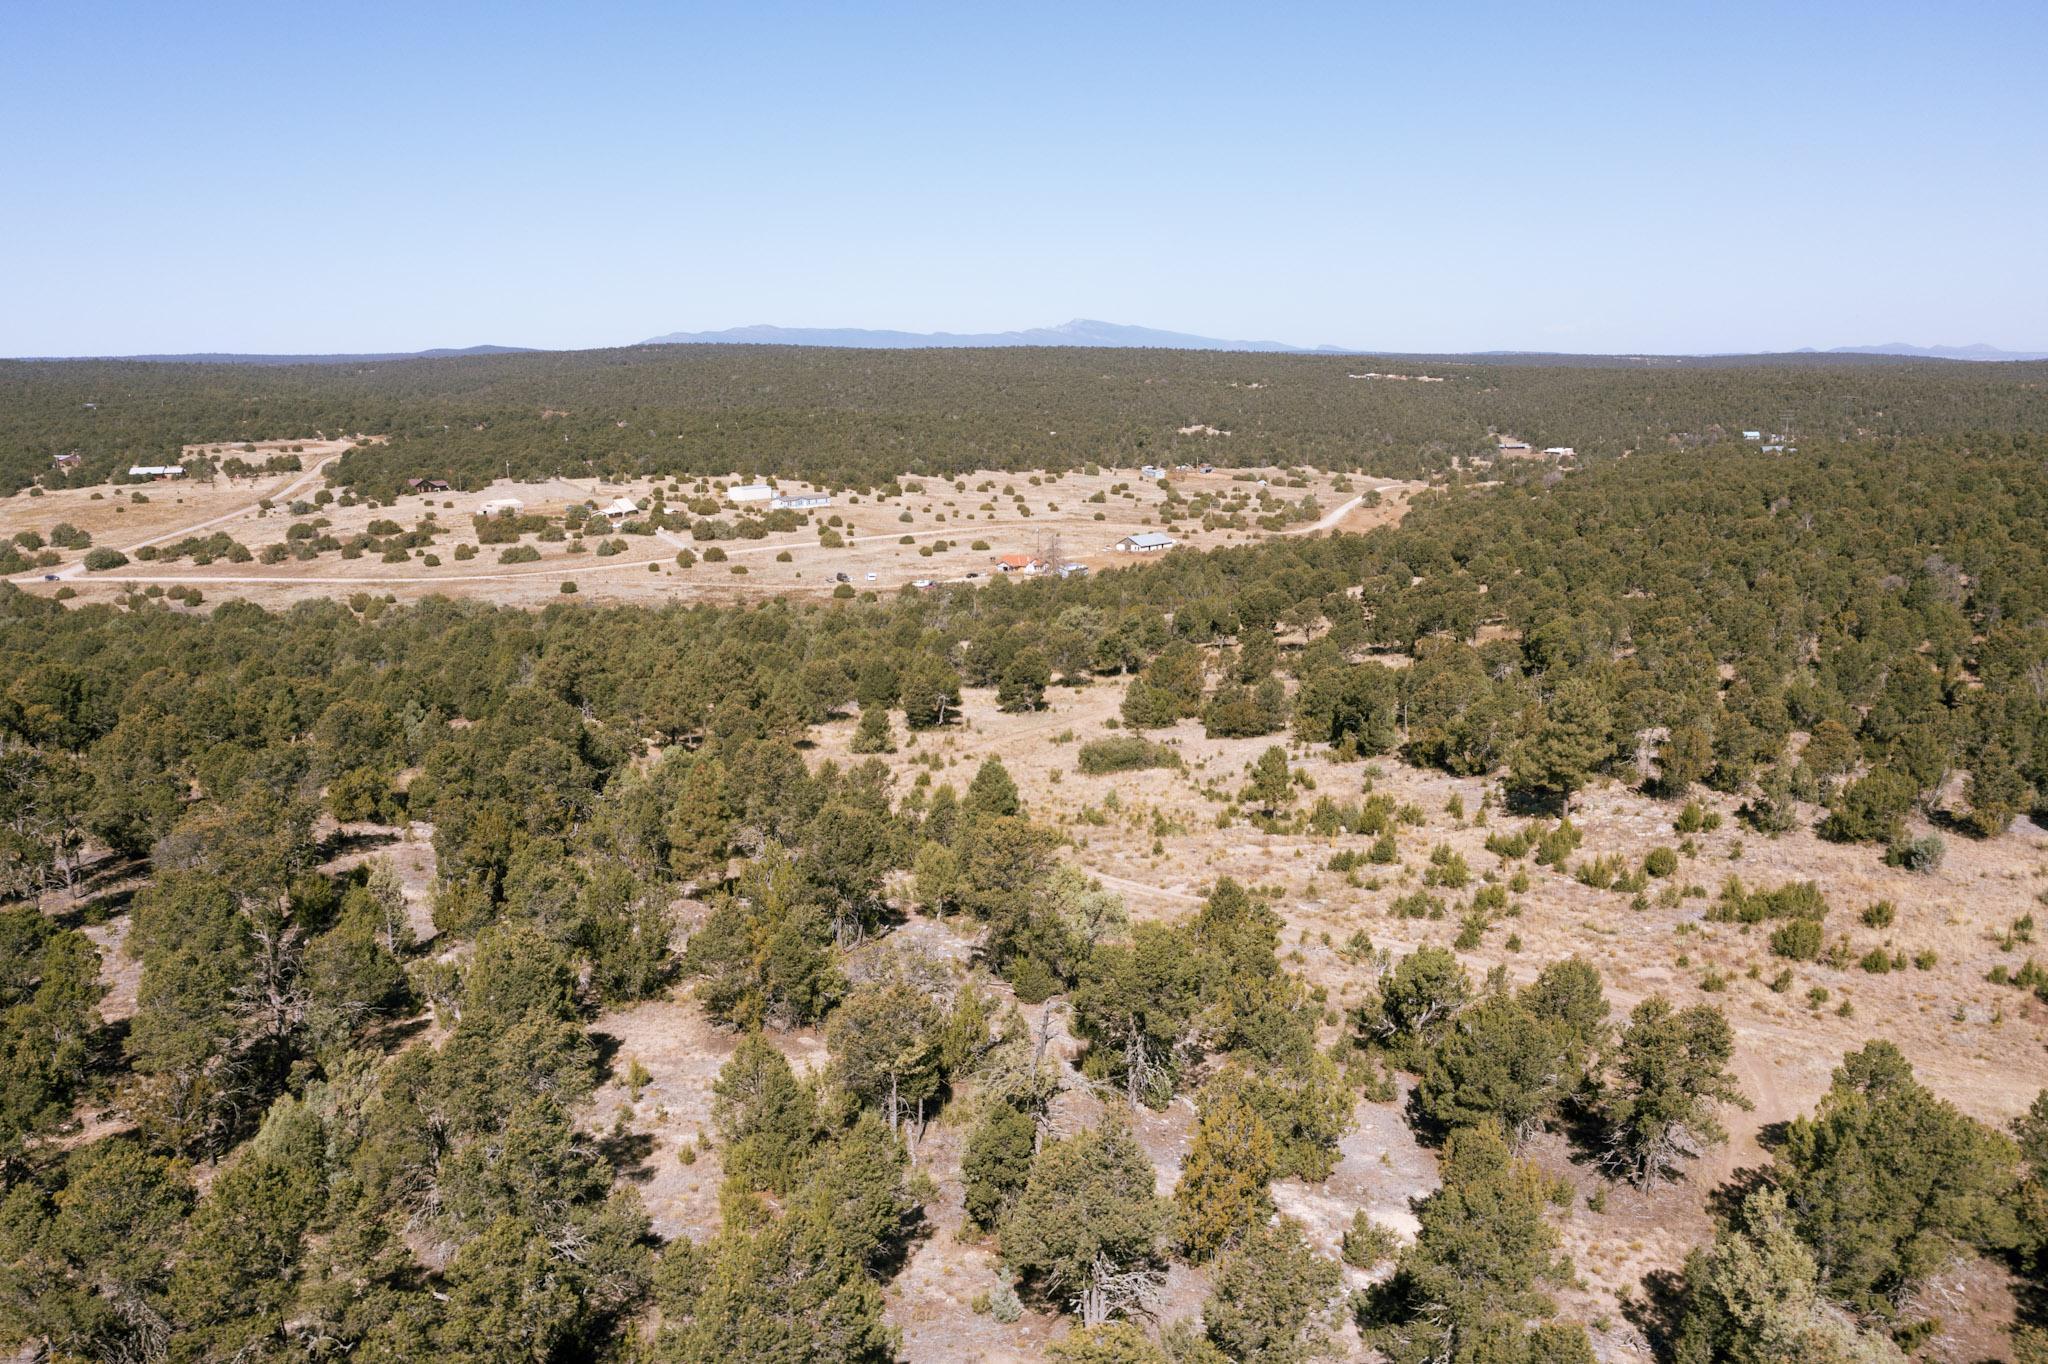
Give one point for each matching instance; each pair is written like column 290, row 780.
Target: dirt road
column 290, row 489
column 1328, row 521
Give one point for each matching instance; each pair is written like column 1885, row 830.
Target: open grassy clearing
column 1006, row 513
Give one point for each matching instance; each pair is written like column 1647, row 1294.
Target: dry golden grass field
column 1011, row 513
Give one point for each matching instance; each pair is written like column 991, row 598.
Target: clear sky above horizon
column 1662, row 177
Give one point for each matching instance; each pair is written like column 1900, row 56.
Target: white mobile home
column 801, row 501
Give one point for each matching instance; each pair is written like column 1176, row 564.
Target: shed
column 1145, row 542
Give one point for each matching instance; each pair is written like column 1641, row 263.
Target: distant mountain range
column 1082, row 331
column 234, row 358
column 1085, row 331
column 1089, row 332
column 1980, row 351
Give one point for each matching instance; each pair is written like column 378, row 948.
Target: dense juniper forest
column 864, row 418
column 324, row 1135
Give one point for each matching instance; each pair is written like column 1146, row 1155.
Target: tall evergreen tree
column 1479, row 1265
column 1088, row 1233
column 1222, row 1193
column 1662, row 1083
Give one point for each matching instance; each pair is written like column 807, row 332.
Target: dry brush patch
column 1151, row 835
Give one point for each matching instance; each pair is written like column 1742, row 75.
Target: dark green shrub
column 1799, row 940
column 1125, row 753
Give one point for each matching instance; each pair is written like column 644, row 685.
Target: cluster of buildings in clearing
column 1519, row 449
column 622, row 509
column 776, row 500
column 159, row 472
column 1030, row 566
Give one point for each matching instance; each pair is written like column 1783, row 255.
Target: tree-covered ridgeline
column 865, row 418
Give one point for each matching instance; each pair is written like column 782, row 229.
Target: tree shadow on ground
column 628, row 1154
column 1657, row 1311
column 342, row 842
column 1527, row 804
column 97, row 910
column 1724, row 1202
column 607, row 1046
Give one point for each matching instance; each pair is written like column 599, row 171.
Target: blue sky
column 1665, row 176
